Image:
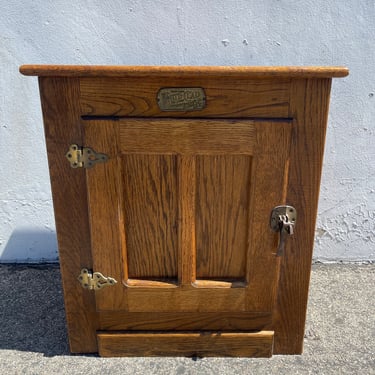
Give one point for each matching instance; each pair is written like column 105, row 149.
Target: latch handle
column 283, row 220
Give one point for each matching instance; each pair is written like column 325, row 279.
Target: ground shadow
column 30, row 245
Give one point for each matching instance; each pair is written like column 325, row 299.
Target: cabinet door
column 180, row 213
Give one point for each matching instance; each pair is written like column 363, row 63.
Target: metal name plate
column 181, row 99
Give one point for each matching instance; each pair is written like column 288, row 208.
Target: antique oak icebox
column 185, row 201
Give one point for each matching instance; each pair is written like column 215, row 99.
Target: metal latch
column 283, row 220
column 84, row 157
column 94, row 281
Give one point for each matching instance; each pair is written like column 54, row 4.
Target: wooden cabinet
column 173, row 221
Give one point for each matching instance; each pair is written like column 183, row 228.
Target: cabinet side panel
column 222, row 206
column 60, row 105
column 309, row 109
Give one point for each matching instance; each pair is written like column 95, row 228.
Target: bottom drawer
column 188, row 344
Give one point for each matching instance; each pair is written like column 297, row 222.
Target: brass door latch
column 283, row 220
column 94, row 281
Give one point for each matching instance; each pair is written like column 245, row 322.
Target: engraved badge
column 181, row 99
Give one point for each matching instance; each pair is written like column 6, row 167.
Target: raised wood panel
column 151, row 212
column 184, row 136
column 226, row 321
column 224, row 97
column 207, row 344
column 222, row 216
column 145, row 200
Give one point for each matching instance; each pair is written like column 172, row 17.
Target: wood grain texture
column 279, row 161
column 109, row 221
column 225, row 97
column 236, row 272
column 151, row 210
column 269, row 176
column 104, row 188
column 222, row 213
column 149, row 71
column 154, row 282
column 309, row 108
column 186, row 219
column 186, row 136
column 221, row 282
column 202, row 344
column 225, row 321
column 60, row 105
column 185, row 299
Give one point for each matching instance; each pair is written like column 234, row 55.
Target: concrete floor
column 340, row 330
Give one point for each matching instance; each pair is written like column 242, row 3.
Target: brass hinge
column 84, row 157
column 94, row 281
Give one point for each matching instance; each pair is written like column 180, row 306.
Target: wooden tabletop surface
column 184, row 71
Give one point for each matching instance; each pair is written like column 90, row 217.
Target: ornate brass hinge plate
column 94, row 281
column 84, row 157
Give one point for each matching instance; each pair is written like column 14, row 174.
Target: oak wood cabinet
column 176, row 171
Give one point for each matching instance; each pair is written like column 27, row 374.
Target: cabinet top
column 184, row 71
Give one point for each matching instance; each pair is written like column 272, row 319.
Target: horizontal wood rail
column 189, row 344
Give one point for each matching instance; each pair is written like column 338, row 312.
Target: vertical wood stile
column 104, row 190
column 267, row 191
column 186, row 222
column 61, row 115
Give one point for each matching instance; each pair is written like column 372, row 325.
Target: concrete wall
column 196, row 32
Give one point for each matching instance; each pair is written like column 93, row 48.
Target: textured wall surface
column 200, row 32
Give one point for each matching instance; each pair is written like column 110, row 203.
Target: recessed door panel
column 150, row 204
column 222, row 216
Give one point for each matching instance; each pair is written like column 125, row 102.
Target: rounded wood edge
column 184, row 71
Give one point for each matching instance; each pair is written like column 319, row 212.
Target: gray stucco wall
column 197, row 32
